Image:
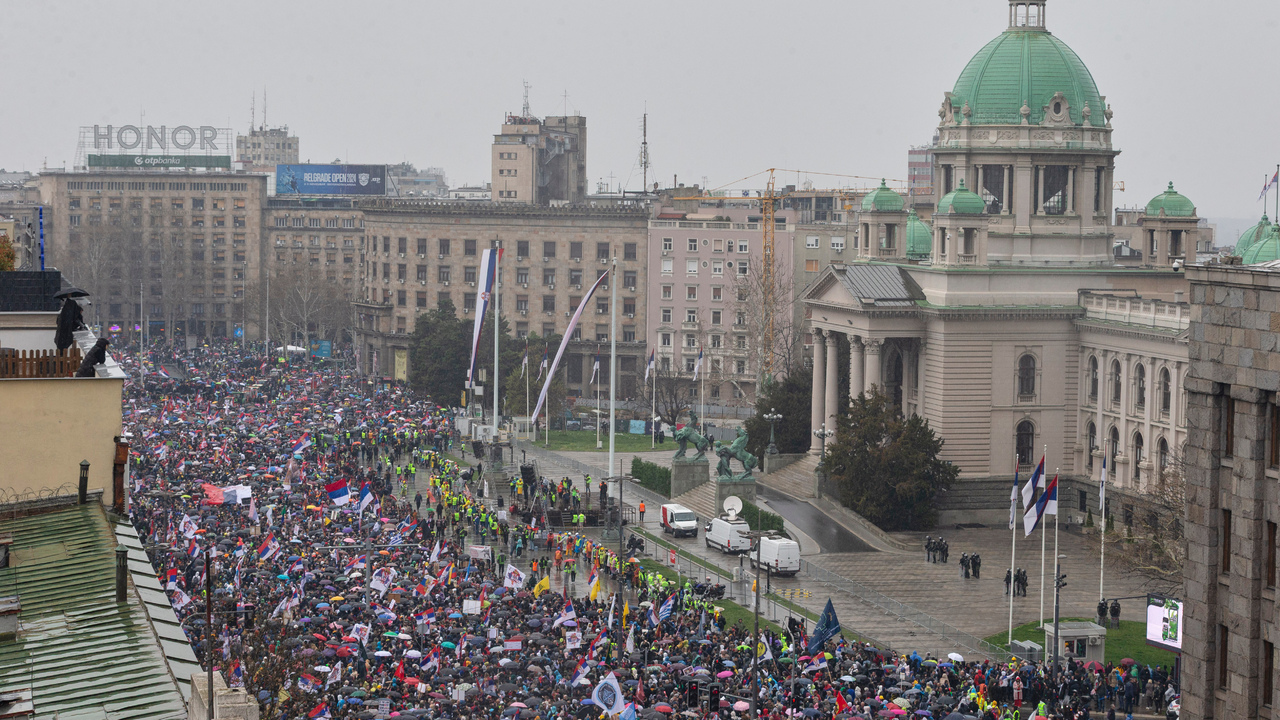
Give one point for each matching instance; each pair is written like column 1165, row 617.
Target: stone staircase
column 701, row 500
column 796, row 479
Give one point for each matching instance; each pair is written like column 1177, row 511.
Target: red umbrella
column 1127, row 662
column 662, row 708
column 1094, row 665
column 318, row 636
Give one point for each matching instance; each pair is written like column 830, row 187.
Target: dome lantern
column 1026, row 14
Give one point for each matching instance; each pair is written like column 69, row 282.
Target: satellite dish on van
column 733, row 506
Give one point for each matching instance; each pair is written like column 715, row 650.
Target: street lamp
column 755, row 536
column 1059, row 581
column 653, row 436
column 822, row 433
column 772, row 417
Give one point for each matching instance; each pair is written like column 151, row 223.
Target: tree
column 675, row 392
column 7, row 255
column 886, row 466
column 759, row 300
column 1157, row 550
column 306, row 303
column 438, row 354
column 515, row 383
column 791, row 397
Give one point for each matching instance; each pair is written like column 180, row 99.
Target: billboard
column 331, row 179
column 321, row 348
column 160, row 161
column 1164, row 622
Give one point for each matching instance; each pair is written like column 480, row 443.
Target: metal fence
column 904, row 611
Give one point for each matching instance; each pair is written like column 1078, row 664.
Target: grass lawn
column 460, row 461
column 575, row 440
column 1129, row 641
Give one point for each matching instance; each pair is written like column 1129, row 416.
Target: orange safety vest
column 641, row 507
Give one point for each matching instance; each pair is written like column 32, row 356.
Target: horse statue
column 736, row 450
column 689, row 434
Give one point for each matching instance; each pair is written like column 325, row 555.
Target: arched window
column 1140, row 386
column 1091, row 431
column 1093, row 378
column 1137, row 453
column 1163, row 449
column 1025, row 441
column 1166, row 392
column 1027, row 375
column 1115, row 382
column 1113, row 450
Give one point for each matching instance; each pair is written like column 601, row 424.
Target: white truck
column 728, row 536
column 780, row 555
column 679, row 520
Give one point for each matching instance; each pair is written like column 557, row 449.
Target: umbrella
column 957, row 657
column 1094, row 665
column 742, row 706
column 724, row 674
column 1127, row 662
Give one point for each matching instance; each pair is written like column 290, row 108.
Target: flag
column 335, row 675
column 595, row 368
column 763, row 651
column 237, row 675
column 827, row 628
column 339, row 494
column 188, row 527
column 613, row 603
column 1102, row 486
column 597, row 644
column 665, row 611
column 654, row 620
column 319, row 711
column 1013, row 498
column 524, row 362
column 435, row 552
column 566, row 615
column 593, row 583
column 543, row 585
column 649, row 368
column 515, row 578
column 366, row 496
column 354, row 563
column 631, row 639
column 580, row 672
column 697, row 367
column 303, row 443
column 1029, row 490
column 400, row 670
column 608, row 695
column 433, row 659
column 193, row 550
column 180, row 599
column 628, row 712
column 542, row 368
column 1266, row 187
column 253, row 509
column 564, row 342
column 268, row 547
column 488, row 274
column 842, row 705
column 171, row 579
column 1035, row 513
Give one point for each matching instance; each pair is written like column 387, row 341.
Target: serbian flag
column 579, row 673
column 566, row 615
column 419, row 590
column 649, row 367
column 366, row 495
column 171, row 579
column 320, row 711
column 338, row 492
column 160, row 371
column 303, row 443
column 193, row 550
column 354, row 564
column 267, row 549
column 212, row 494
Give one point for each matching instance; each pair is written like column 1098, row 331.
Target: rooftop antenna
column 525, row 112
column 644, row 151
column 253, row 111
column 566, row 102
column 264, row 107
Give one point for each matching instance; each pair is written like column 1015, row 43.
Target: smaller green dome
column 1265, row 249
column 882, row 199
column 919, row 237
column 1173, row 203
column 1253, row 235
column 962, row 201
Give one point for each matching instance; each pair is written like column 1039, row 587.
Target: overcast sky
column 731, row 88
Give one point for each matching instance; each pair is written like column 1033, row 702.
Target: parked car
column 729, row 536
column 780, row 555
column 679, row 520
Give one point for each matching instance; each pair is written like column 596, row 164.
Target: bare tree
column 1154, row 547
column 304, row 304
column 759, row 300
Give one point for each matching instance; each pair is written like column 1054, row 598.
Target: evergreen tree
column 792, row 399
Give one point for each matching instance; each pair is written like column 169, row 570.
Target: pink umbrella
column 724, row 674
column 742, row 706
column 519, row 705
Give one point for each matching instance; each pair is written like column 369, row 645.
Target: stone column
column 855, row 367
column 1038, row 184
column 921, row 346
column 872, row 377
column 832, row 404
column 1071, row 189
column 1007, row 190
column 817, row 412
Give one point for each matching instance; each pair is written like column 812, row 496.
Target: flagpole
column 1042, row 549
column 1102, row 534
column 653, row 408
column 613, row 382
column 595, row 372
column 1056, row 514
column 526, row 382
column 1013, row 552
column 497, row 286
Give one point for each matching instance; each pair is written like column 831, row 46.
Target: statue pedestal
column 744, row 490
column 688, row 474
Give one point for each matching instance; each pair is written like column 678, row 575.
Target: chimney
column 122, row 573
column 10, row 609
column 84, row 481
column 117, row 476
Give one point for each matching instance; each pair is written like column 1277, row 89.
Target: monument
column 742, row 484
column 688, row 473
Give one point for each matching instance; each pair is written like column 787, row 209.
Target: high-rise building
column 1231, row 622
column 540, row 162
column 264, row 148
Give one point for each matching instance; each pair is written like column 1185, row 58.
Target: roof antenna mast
column 525, row 112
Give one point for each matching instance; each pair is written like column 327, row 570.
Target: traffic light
column 691, row 693
column 713, row 697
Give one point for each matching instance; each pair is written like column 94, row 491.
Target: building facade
column 1006, row 321
column 540, row 161
column 264, row 148
column 420, row 254
column 176, row 250
column 1231, row 617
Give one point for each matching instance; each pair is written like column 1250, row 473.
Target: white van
column 780, row 555
column 679, row 520
column 728, row 535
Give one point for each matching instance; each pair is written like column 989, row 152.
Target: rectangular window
column 740, row 366
column 401, row 298
column 811, row 242
column 717, row 245
column 629, row 306
column 468, row 301
column 666, row 292
column 693, row 244
column 1273, row 435
column 548, row 276
column 691, row 292
column 667, row 243
column 548, row 303
column 717, row 267
column 1223, row 635
column 1271, row 554
column 522, row 303
column 442, row 298
column 1229, row 425
column 629, row 251
column 602, row 251
column 717, row 293
column 668, row 266
column 666, row 315
column 743, row 248
column 469, row 273
column 715, row 317
column 628, row 334
column 422, row 273
column 691, row 315
column 1083, row 501
column 629, row 279
column 715, row 342
column 691, row 341
column 421, row 299
column 811, row 266
column 575, row 276
column 442, row 274
column 549, row 249
column 666, row 339
column 401, row 271
column 1225, row 542
column 468, row 247
column 691, row 267
column 444, row 246
column 422, row 246
column 575, row 250
column 837, row 242
column 522, row 276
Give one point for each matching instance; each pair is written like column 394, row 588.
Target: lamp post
column 653, row 436
column 755, row 536
column 822, row 433
column 772, row 417
column 1059, row 581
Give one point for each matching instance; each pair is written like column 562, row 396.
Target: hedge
column 651, row 476
column 758, row 519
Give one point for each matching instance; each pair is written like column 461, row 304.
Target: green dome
column 1264, row 249
column 1173, row 203
column 1025, row 65
column 919, row 237
column 1252, row 235
column 882, row 199
column 961, row 201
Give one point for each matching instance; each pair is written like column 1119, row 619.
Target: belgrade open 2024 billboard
column 1164, row 622
column 331, row 179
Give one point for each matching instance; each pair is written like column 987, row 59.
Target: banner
column 331, row 179
column 564, row 343
column 155, row 161
column 488, row 269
